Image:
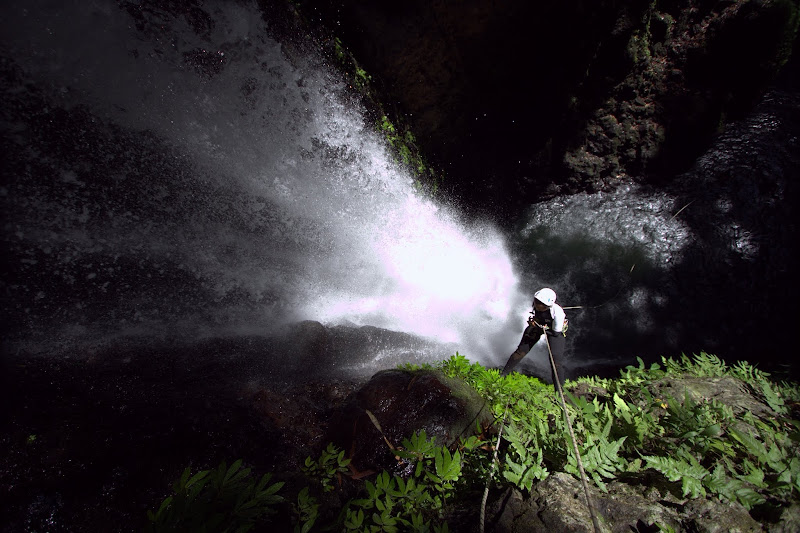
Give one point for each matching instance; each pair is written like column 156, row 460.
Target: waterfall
column 173, row 172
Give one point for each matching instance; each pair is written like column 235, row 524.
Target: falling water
column 178, row 174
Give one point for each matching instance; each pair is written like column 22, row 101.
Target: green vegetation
column 398, row 135
column 647, row 424
column 329, row 465
column 787, row 11
column 413, row 503
column 404, row 145
column 640, row 41
column 623, row 430
column 306, row 511
column 223, row 499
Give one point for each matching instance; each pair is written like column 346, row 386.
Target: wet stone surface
column 403, row 402
column 95, row 438
column 92, row 443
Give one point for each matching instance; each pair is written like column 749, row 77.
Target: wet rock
column 298, row 412
column 708, row 516
column 559, row 504
column 309, row 339
column 726, row 390
column 309, row 349
column 508, row 93
column 403, row 402
column 788, row 521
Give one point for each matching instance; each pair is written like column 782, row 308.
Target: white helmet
column 546, row 296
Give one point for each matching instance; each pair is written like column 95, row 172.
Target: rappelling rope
column 585, row 483
column 572, row 436
column 491, row 471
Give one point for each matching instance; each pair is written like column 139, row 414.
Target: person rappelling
column 549, row 318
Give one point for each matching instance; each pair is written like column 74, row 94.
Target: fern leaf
column 671, row 468
column 749, row 498
column 692, row 487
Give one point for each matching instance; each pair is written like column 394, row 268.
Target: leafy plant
column 330, row 464
column 523, row 466
column 222, row 499
column 600, row 459
column 362, row 78
column 418, row 448
column 415, row 503
column 412, row 367
column 685, row 469
column 306, row 510
column 625, row 429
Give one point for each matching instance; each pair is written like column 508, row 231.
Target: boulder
column 403, row 402
column 559, row 504
column 726, row 390
column 714, row 516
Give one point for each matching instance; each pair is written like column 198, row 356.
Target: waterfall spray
column 176, row 174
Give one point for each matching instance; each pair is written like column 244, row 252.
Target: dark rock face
column 404, row 402
column 520, row 100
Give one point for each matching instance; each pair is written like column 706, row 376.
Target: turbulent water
column 176, row 174
column 704, row 262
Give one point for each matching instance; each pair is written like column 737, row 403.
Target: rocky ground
column 95, row 437
column 92, row 442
